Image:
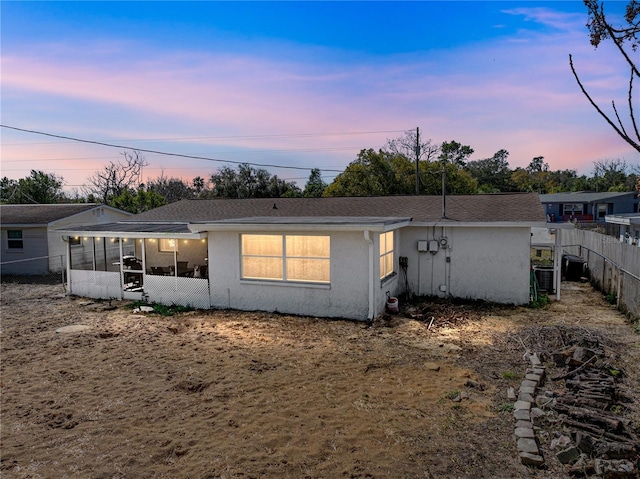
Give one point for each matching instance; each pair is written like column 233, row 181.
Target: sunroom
column 165, row 263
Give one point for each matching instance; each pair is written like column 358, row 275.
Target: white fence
column 614, row 266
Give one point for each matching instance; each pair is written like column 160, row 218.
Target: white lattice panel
column 177, row 290
column 95, row 284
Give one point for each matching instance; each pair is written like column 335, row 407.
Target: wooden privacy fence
column 614, row 266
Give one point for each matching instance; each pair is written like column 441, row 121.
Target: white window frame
column 576, row 209
column 387, row 256
column 11, row 241
column 285, row 256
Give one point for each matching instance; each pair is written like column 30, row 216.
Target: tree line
column 404, row 166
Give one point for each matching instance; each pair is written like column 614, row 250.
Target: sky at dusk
column 300, row 84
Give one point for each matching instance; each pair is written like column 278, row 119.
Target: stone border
column 525, row 412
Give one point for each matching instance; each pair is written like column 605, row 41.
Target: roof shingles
column 517, row 207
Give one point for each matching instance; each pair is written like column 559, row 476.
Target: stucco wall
column 346, row 296
column 491, row 264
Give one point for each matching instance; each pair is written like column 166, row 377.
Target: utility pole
column 417, row 160
column 444, row 189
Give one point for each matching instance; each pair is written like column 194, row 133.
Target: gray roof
column 506, row 207
column 582, row 197
column 40, row 214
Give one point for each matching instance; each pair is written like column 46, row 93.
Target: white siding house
column 329, row 257
column 29, row 237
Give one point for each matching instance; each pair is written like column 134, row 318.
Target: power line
column 233, row 137
column 156, row 152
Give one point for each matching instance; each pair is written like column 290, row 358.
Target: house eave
column 277, row 224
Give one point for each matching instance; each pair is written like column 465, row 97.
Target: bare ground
column 222, row 394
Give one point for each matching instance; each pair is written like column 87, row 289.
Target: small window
column 386, row 254
column 75, row 241
column 167, row 245
column 299, row 258
column 602, row 211
column 14, row 239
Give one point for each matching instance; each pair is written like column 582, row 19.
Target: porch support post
column 68, row 245
column 557, row 263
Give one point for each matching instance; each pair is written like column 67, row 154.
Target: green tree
column 374, row 173
column 172, row 189
column 249, row 182
column 137, row 201
column 315, row 185
column 37, row 188
column 455, row 153
column 625, row 37
column 493, row 174
column 458, row 181
column 610, row 175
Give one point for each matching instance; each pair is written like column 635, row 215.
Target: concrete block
column 528, row 445
column 528, row 459
column 524, row 432
column 525, row 397
column 533, row 377
column 528, row 389
column 528, row 383
column 526, row 405
column 524, row 423
column 521, row 415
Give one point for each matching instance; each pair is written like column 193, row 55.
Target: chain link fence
column 40, row 270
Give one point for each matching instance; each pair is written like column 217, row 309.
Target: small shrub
column 509, row 375
column 452, row 394
column 505, row 407
column 541, row 302
column 611, row 298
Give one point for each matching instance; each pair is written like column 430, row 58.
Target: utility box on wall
column 431, row 245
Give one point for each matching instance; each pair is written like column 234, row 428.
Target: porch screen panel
column 262, row 257
column 308, row 258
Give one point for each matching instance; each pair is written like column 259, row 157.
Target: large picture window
column 14, row 239
column 386, row 254
column 299, row 258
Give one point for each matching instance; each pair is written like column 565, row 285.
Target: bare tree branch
column 613, row 125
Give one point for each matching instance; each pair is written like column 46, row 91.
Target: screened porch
column 167, row 268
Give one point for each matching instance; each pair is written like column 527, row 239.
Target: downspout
column 371, row 313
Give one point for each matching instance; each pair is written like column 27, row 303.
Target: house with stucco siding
column 329, row 257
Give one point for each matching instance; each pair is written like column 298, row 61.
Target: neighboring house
column 628, row 227
column 30, row 242
column 328, row 257
column 587, row 207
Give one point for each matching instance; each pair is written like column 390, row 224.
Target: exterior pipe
column 367, row 237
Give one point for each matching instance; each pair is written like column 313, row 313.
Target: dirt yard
column 222, row 394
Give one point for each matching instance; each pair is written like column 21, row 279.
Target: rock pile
column 578, row 415
column 597, row 439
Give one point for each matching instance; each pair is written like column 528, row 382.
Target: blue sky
column 300, row 84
